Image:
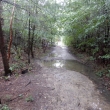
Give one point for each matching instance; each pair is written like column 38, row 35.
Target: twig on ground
column 28, row 83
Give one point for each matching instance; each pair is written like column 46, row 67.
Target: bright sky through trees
column 59, row 1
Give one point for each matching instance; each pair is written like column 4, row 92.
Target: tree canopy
column 85, row 24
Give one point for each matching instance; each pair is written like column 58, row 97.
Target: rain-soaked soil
column 60, row 82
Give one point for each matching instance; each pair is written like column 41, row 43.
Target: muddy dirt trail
column 70, row 88
column 58, row 82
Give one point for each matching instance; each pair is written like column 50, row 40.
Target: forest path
column 69, row 88
column 56, row 82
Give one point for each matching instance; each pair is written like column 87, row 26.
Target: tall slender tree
column 2, row 46
column 11, row 31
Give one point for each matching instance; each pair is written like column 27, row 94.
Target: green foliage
column 100, row 73
column 107, row 56
column 86, row 27
column 6, row 78
column 68, row 40
column 87, row 44
column 17, row 65
column 13, row 67
column 42, row 15
column 95, row 50
column 4, row 107
column 83, row 23
column 29, row 99
column 91, row 58
column 104, row 72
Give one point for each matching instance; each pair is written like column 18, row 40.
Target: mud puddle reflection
column 72, row 65
column 66, row 64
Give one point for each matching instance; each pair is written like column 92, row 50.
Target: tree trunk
column 11, row 31
column 29, row 34
column 32, row 41
column 2, row 48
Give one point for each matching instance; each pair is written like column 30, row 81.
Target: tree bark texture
column 2, row 47
column 11, row 31
column 29, row 34
column 32, row 42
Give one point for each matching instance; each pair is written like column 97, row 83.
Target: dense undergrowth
column 87, row 29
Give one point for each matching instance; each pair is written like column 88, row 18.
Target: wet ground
column 73, row 81
column 60, row 57
column 57, row 81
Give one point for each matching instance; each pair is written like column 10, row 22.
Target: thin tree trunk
column 29, row 34
column 11, row 31
column 32, row 41
column 2, row 48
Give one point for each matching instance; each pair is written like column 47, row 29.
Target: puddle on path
column 75, row 65
column 60, row 57
column 72, row 65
